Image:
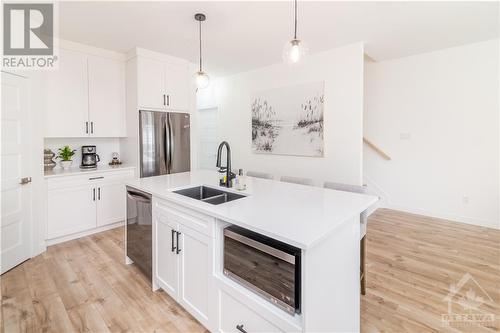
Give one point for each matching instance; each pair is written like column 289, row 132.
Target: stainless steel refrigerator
column 164, row 143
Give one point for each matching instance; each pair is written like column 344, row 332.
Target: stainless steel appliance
column 139, row 230
column 89, row 157
column 164, row 143
column 268, row 267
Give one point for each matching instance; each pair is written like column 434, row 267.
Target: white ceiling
column 240, row 36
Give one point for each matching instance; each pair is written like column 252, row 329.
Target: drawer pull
column 173, row 246
column 94, row 178
column 178, row 250
column 241, row 329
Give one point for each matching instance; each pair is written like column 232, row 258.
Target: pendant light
column 202, row 79
column 294, row 50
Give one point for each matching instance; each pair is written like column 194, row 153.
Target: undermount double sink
column 209, row 194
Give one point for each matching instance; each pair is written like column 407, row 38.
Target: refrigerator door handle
column 170, row 143
column 167, row 144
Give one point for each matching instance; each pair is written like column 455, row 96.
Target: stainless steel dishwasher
column 139, row 230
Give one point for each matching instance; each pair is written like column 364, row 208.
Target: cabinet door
column 195, row 273
column 167, row 260
column 67, row 96
column 111, row 203
column 106, row 97
column 151, row 84
column 71, row 210
column 177, row 86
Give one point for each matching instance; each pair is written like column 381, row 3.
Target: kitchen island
column 188, row 251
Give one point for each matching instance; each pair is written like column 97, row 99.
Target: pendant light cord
column 200, row 46
column 295, row 33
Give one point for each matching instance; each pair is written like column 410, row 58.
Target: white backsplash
column 105, row 147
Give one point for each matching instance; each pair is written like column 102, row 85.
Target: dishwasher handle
column 138, row 197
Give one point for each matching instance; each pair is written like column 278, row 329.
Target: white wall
column 342, row 71
column 437, row 116
column 104, row 146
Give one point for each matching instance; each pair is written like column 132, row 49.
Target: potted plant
column 65, row 153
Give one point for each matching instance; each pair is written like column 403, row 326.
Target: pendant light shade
column 201, row 78
column 294, row 50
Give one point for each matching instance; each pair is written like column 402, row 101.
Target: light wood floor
column 83, row 285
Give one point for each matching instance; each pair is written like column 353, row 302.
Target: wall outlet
column 465, row 199
column 405, row 136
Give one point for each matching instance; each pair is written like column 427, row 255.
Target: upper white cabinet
column 151, row 84
column 177, row 86
column 162, row 85
column 67, row 96
column 85, row 96
column 106, row 97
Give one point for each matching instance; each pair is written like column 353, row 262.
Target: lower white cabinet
column 81, row 203
column 183, row 264
column 167, row 260
column 111, row 202
column 236, row 317
column 71, row 210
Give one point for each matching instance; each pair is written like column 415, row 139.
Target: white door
column 67, row 97
column 15, row 164
column 106, row 97
column 151, row 84
column 167, row 259
column 195, row 272
column 177, row 87
column 111, row 203
column 207, row 135
column 71, row 210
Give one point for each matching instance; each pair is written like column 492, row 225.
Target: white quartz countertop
column 73, row 171
column 299, row 215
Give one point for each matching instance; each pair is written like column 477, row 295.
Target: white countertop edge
column 77, row 171
column 186, row 202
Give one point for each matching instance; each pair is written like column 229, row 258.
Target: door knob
column 25, row 180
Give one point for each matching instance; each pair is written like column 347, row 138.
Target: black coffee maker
column 89, row 157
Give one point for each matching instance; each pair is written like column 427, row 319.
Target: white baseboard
column 439, row 215
column 66, row 238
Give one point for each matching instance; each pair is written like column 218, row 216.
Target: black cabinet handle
column 93, row 191
column 173, row 246
column 168, row 100
column 94, row 178
column 178, row 246
column 92, row 127
column 164, row 100
column 98, row 193
column 86, row 127
column 241, row 329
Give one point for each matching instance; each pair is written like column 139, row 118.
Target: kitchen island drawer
column 192, row 219
column 238, row 318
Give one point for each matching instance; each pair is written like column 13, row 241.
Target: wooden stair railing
column 376, row 149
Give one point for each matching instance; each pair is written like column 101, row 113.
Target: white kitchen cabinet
column 106, row 97
column 85, row 97
column 161, row 85
column 183, row 261
column 71, row 210
column 67, row 96
column 177, row 86
column 151, row 84
column 167, row 271
column 85, row 203
column 195, row 271
column 111, row 203
column 236, row 317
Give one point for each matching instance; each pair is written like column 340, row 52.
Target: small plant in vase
column 65, row 154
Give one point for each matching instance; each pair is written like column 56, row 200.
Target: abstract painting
column 289, row 120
